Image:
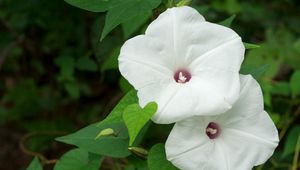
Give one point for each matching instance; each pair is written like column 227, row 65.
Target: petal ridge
column 246, row 134
column 207, row 53
column 172, row 157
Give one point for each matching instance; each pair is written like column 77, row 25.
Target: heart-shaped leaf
column 136, row 117
column 116, row 114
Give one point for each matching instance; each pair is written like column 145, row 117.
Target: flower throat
column 213, row 130
column 182, row 76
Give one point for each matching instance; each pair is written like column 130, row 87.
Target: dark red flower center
column 182, row 76
column 213, row 130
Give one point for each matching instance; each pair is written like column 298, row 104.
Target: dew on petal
column 182, row 76
column 213, row 130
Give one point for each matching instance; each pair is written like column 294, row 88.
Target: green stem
column 296, row 155
column 170, row 4
column 26, row 150
column 285, row 128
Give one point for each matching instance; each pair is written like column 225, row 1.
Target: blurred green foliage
column 56, row 75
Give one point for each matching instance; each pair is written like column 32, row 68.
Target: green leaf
column 202, row 9
column 281, row 88
column 73, row 89
column 35, row 165
column 291, row 141
column 295, row 83
column 256, row 72
column 249, row 46
column 157, row 159
column 229, row 6
column 266, row 88
column 124, row 85
column 261, row 56
column 66, row 65
column 143, row 132
column 91, row 5
column 275, row 117
column 112, row 61
column 113, row 146
column 136, row 163
column 86, row 64
column 121, row 11
column 132, row 25
column 77, row 159
column 136, row 117
column 296, row 46
column 227, row 22
column 116, row 114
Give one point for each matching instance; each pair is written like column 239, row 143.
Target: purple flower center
column 182, row 76
column 213, row 130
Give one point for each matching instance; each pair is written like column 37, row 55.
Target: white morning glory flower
column 239, row 139
column 187, row 65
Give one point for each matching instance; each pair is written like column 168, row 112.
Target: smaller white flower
column 239, row 139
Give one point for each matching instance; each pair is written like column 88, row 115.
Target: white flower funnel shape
column 243, row 137
column 187, row 65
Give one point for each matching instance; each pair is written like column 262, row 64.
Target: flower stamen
column 182, row 76
column 213, row 130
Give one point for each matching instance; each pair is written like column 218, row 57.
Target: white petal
column 224, row 83
column 156, row 91
column 248, row 149
column 185, row 140
column 220, row 66
column 186, row 135
column 179, row 101
column 189, row 148
column 186, row 34
column 172, row 27
column 249, row 104
column 227, row 57
column 220, row 47
column 248, row 130
column 206, row 157
column 143, row 61
column 248, row 136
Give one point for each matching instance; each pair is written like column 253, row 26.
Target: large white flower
column 187, row 65
column 239, row 139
